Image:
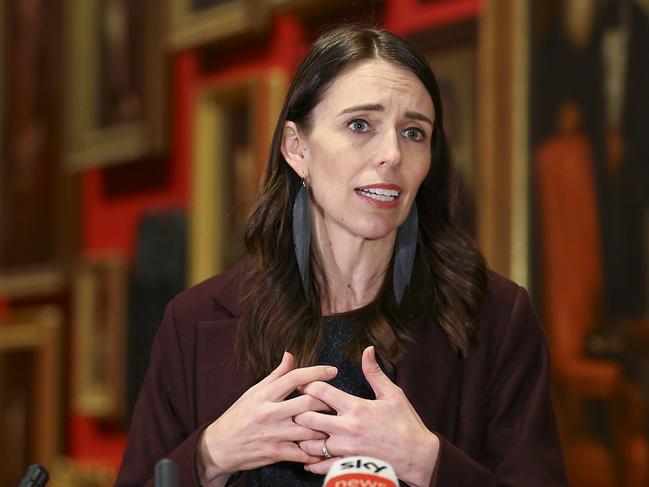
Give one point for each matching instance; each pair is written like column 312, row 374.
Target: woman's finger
column 319, row 422
column 300, row 433
column 321, row 467
column 287, row 364
column 337, row 399
column 314, row 447
column 287, row 383
column 291, row 452
column 379, row 382
column 300, row 404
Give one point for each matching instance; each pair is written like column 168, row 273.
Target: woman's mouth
column 382, row 195
column 378, row 194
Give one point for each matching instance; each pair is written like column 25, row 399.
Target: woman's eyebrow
column 419, row 116
column 377, row 107
column 370, row 107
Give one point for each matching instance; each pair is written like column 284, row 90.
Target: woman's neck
column 351, row 269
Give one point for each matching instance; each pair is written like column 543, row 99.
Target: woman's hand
column 258, row 429
column 387, row 428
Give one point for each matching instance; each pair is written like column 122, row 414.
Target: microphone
column 361, row 472
column 165, row 473
column 35, row 476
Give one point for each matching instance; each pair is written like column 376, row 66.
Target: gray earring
column 404, row 253
column 302, row 236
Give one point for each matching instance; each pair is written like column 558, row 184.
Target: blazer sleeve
column 161, row 424
column 521, row 443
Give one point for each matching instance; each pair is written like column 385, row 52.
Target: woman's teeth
column 379, row 194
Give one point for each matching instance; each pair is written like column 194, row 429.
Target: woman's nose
column 390, row 152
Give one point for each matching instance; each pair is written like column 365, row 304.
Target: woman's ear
column 293, row 148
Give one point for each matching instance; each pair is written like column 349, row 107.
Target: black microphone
column 35, row 476
column 165, row 473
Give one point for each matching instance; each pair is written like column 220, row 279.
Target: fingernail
column 332, row 370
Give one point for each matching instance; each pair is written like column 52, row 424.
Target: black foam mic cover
column 35, row 476
column 165, row 473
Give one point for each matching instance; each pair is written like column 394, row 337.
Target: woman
column 392, row 339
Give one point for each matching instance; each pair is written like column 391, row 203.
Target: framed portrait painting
column 234, row 121
column 30, row 385
column 100, row 290
column 116, row 80
column 37, row 200
column 563, row 134
column 194, row 23
column 452, row 54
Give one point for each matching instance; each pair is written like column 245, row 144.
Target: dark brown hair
column 449, row 279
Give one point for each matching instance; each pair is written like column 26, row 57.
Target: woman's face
column 368, row 150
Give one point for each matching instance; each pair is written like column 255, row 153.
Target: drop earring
column 405, row 250
column 302, row 236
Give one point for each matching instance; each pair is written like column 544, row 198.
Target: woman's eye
column 358, row 126
column 414, row 133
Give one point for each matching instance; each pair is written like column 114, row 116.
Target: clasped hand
column 262, row 428
column 387, row 428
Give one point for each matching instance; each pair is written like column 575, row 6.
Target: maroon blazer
column 491, row 410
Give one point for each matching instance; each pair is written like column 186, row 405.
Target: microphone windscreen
column 361, row 472
column 165, row 473
column 35, row 476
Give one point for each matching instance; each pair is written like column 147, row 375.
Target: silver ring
column 325, row 451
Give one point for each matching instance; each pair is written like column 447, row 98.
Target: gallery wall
column 132, row 140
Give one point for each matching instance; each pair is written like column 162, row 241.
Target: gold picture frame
column 2, row 68
column 217, row 20
column 503, row 107
column 30, row 387
column 214, row 226
column 116, row 78
column 37, row 200
column 100, row 294
column 46, row 280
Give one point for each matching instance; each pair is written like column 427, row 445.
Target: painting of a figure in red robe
column 590, row 155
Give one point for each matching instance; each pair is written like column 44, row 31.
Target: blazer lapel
column 430, row 375
column 219, row 382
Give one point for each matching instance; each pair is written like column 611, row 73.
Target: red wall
column 114, row 199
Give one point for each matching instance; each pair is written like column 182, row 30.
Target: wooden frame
column 34, row 281
column 2, row 69
column 191, row 28
column 69, row 472
column 307, row 5
column 503, row 187
column 36, row 334
column 135, row 124
column 38, row 274
column 263, row 95
column 452, row 54
column 99, row 337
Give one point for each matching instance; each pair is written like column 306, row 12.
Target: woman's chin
column 376, row 230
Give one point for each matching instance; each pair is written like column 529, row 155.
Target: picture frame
column 2, row 68
column 45, row 280
column 99, row 330
column 193, row 23
column 492, row 50
column 225, row 176
column 70, row 472
column 30, row 387
column 117, row 77
column 502, row 179
column 451, row 52
column 37, row 199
